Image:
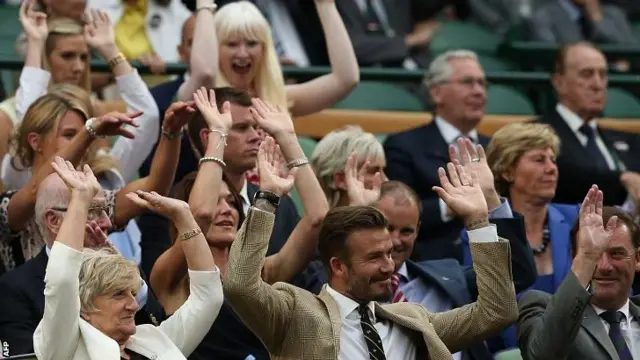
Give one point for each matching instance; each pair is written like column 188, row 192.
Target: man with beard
column 345, row 321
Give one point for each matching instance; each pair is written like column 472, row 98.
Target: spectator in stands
column 457, row 86
column 147, row 30
column 355, row 247
column 391, row 36
column 229, row 338
column 61, row 56
column 568, row 21
column 22, row 302
column 61, row 124
column 91, row 294
column 500, row 15
column 240, row 155
column 590, row 154
column 593, row 300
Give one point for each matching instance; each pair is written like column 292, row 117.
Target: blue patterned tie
column 614, row 318
column 371, row 336
column 593, row 152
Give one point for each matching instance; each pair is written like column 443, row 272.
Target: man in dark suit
column 240, row 155
column 391, row 33
column 22, row 300
column 590, row 154
column 591, row 315
column 456, row 85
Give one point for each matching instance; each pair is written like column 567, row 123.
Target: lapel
column 38, row 268
column 594, row 326
column 571, row 146
column 392, row 15
column 251, row 191
column 634, row 309
column 334, row 316
column 612, row 146
column 446, row 281
column 433, row 143
column 102, row 346
column 560, row 228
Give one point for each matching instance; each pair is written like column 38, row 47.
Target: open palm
column 461, row 191
column 165, row 206
column 473, row 159
column 593, row 236
column 99, row 31
column 356, row 191
column 273, row 120
column 33, row 22
column 206, row 103
column 80, row 182
column 270, row 165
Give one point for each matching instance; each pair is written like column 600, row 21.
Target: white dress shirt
column 629, row 328
column 450, row 134
column 396, row 341
column 575, row 122
column 244, row 196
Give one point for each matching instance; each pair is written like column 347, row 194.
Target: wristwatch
column 272, row 198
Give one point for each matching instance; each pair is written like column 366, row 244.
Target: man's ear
column 338, row 268
column 339, row 181
column 204, row 139
column 53, row 220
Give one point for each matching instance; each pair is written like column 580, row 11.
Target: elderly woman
column 90, row 294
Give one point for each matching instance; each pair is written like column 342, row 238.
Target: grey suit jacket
column 498, row 15
column 564, row 325
column 553, row 23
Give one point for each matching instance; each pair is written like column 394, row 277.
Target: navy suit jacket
column 576, row 172
column 22, row 304
column 413, row 157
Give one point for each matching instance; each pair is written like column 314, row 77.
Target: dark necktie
column 371, row 336
column 371, row 18
column 593, row 152
column 615, row 334
column 585, row 26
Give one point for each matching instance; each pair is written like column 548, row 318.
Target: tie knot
column 363, row 310
column 612, row 317
column 587, row 131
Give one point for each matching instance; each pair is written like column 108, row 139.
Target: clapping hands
column 81, row 183
column 354, row 179
column 33, row 22
column 593, row 237
column 206, row 103
column 270, row 165
column 99, row 33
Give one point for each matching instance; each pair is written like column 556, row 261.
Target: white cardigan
column 63, row 335
column 131, row 153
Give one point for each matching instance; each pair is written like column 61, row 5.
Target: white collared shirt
column 396, row 340
column 628, row 326
column 244, row 196
column 575, row 122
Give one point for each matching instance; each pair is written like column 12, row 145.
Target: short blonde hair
column 244, row 19
column 105, row 271
column 330, row 156
column 510, row 142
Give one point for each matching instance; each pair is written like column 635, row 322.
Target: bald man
column 22, row 300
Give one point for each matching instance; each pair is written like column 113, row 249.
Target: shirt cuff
column 443, row 211
column 483, row 235
column 503, row 211
column 34, row 74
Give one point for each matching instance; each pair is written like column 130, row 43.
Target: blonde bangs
column 242, row 20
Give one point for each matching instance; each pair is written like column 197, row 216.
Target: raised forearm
column 110, row 52
column 206, row 188
column 195, row 247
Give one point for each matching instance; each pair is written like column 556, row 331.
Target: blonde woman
column 248, row 60
column 59, row 123
column 340, row 148
column 65, row 60
column 91, row 294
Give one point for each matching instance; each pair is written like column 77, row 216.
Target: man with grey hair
column 457, row 87
column 22, row 300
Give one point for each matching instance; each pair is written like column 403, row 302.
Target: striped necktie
column 371, row 336
column 615, row 333
column 398, row 295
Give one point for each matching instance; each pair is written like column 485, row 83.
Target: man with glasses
column 22, row 300
column 457, row 87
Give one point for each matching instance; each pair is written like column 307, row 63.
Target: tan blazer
column 296, row 324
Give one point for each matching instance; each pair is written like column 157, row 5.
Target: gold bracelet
column 190, row 234
column 114, row 61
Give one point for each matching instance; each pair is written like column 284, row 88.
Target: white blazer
column 163, row 24
column 63, row 335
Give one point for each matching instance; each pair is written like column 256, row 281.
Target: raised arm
column 300, row 247
column 265, row 309
column 495, row 307
column 62, row 299
column 163, row 165
column 325, row 91
column 22, row 205
column 187, row 327
column 100, row 35
column 203, row 60
column 547, row 324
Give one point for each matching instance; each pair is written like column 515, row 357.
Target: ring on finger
column 475, row 159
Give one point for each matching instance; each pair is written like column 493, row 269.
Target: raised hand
column 473, row 159
column 274, row 120
column 82, row 183
column 99, row 32
column 33, row 22
column 356, row 191
column 178, row 115
column 97, row 238
column 206, row 103
column 111, row 123
column 165, row 206
column 154, row 62
column 270, row 165
column 462, row 194
column 593, row 237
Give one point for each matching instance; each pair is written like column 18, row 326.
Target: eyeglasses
column 468, row 82
column 95, row 212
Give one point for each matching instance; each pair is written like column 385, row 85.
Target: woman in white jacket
column 90, row 294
